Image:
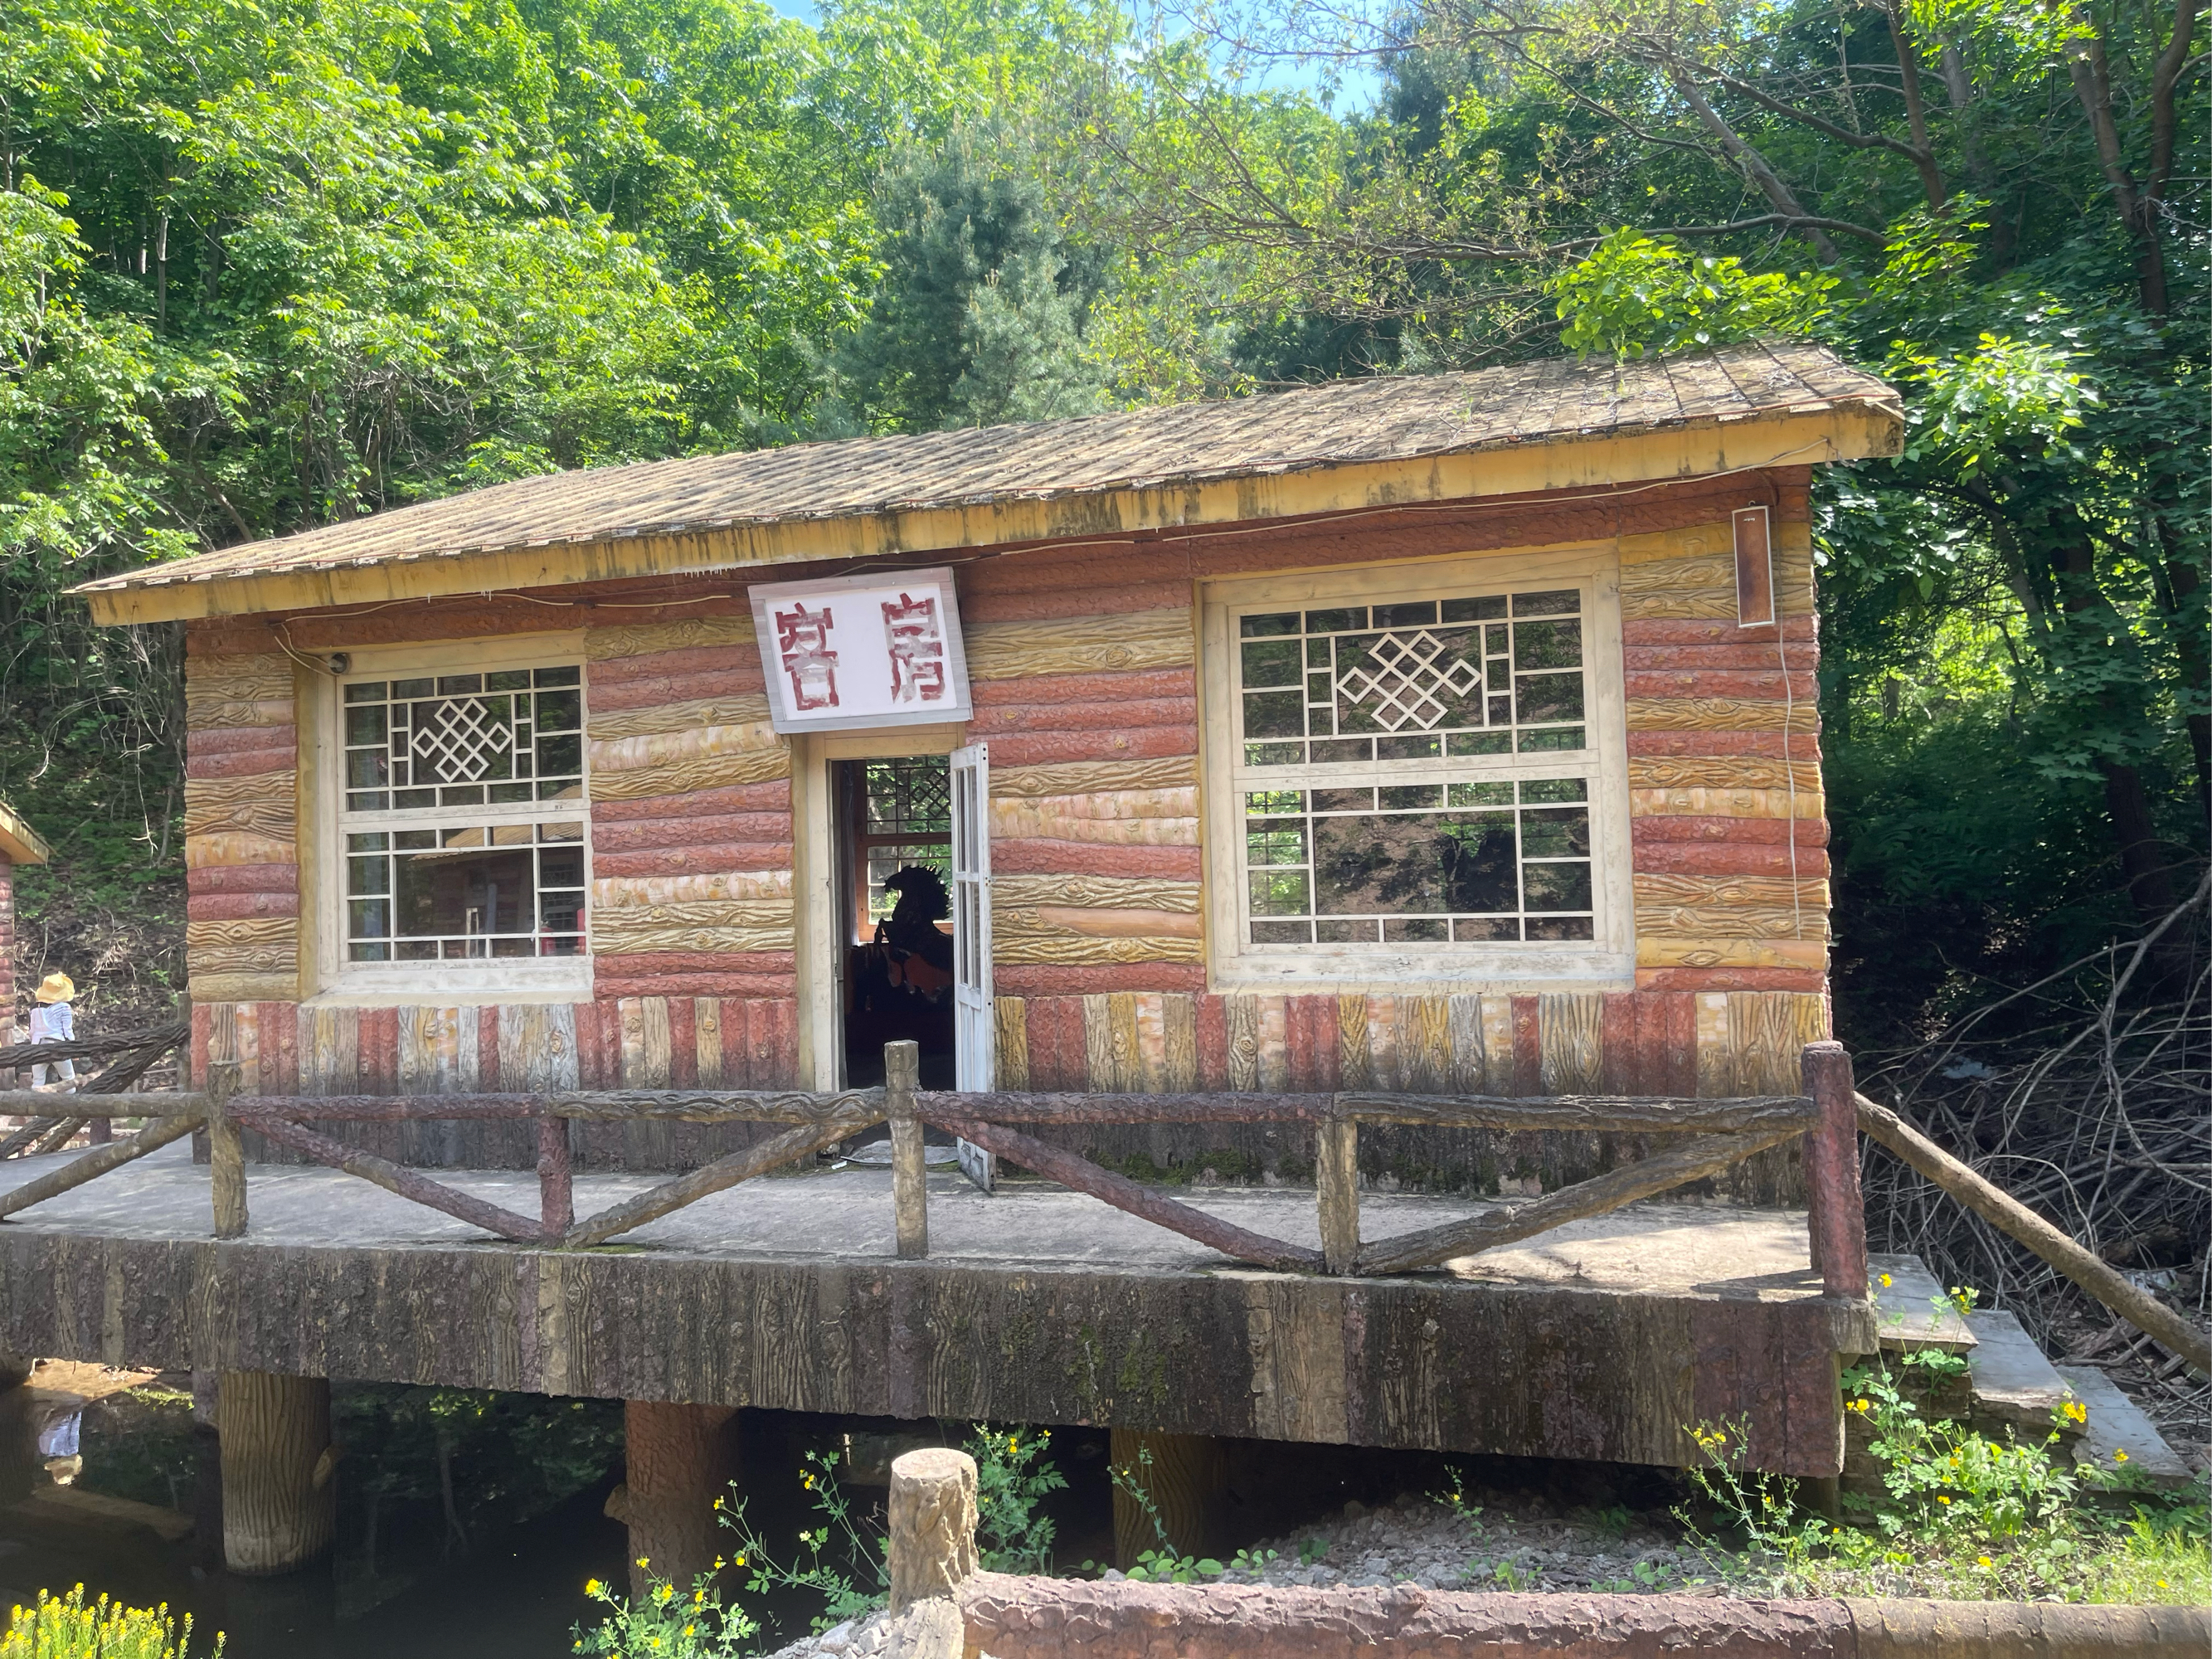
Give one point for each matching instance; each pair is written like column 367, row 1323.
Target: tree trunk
column 279, row 1502
column 1185, row 1479
column 679, row 1460
column 2142, row 861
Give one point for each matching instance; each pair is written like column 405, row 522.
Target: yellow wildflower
column 592, row 1587
column 1885, row 1281
column 642, row 1561
column 2075, row 1411
column 2119, row 1457
column 1941, row 1499
column 1985, row 1561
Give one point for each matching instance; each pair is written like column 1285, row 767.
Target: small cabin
column 1452, row 733
column 19, row 844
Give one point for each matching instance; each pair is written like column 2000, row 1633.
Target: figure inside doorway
column 915, row 954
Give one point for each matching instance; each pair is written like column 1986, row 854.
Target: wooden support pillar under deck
column 677, row 1460
column 279, row 1500
column 1186, row 1478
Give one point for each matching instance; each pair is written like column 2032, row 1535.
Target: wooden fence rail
column 1724, row 1132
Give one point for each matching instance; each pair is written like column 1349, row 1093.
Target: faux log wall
column 1527, row 1370
column 1730, row 828
column 241, row 822
column 1085, row 679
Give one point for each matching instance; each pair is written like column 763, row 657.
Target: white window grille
column 1414, row 773
column 464, row 817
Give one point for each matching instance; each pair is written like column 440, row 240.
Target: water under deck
column 1605, row 1338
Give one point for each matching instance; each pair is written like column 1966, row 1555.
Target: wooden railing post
column 910, row 1184
column 556, row 1194
column 1836, row 1213
column 931, row 1546
column 1336, row 1191
column 226, row 1151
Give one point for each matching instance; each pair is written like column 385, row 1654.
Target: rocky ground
column 1521, row 1543
column 1496, row 1545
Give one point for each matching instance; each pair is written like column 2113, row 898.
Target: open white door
column 975, row 1028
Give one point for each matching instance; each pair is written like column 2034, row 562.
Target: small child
column 53, row 1021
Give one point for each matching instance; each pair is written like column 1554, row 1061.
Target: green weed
column 1960, row 1515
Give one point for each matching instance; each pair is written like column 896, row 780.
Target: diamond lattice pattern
column 1398, row 685
column 459, row 743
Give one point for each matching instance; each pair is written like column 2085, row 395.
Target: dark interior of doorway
column 895, row 871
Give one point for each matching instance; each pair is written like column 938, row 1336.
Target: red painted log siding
column 7, row 949
column 1646, row 1037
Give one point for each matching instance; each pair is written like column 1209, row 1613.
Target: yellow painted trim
column 1845, row 432
column 21, row 843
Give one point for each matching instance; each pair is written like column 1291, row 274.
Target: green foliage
column 1634, row 294
column 1960, row 1515
column 666, row 1624
column 840, row 1565
column 1163, row 1563
column 1013, row 1479
column 65, row 1628
column 979, row 316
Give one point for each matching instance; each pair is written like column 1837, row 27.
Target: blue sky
column 1358, row 88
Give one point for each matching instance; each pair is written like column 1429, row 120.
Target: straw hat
column 56, row 987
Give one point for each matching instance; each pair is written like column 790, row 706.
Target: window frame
column 1607, row 961
column 338, row 980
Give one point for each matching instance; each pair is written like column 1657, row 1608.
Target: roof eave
column 18, row 842
column 1841, row 430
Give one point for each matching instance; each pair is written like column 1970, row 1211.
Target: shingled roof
column 1345, row 424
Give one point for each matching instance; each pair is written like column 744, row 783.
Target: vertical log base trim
column 279, row 1504
column 1184, row 1475
column 932, row 1547
column 677, row 1460
column 1123, row 1193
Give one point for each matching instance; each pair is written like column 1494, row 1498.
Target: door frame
column 817, row 921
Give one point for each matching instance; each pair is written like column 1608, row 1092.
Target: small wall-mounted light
column 340, row 662
column 1754, row 569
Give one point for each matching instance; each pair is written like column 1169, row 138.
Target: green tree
column 979, row 317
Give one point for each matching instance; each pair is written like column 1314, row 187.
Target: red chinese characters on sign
column 829, row 670
column 802, row 641
column 916, row 645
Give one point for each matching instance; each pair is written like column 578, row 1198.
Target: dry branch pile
column 2088, row 1097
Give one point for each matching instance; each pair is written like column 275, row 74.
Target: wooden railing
column 130, row 1054
column 1725, row 1132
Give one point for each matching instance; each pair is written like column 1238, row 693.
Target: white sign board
column 862, row 651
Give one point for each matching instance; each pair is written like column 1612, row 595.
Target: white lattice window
column 462, row 817
column 1409, row 780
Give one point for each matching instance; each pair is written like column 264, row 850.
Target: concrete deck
column 1608, row 1338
